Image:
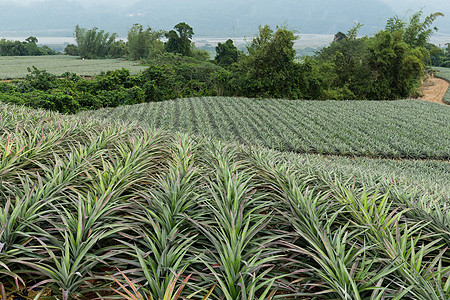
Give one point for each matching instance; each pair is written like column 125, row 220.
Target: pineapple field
column 103, row 205
column 444, row 73
column 382, row 129
column 14, row 67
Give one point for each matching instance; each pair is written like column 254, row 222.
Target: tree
column 179, row 40
column 28, row 47
column 31, row 40
column 269, row 70
column 142, row 43
column 339, row 37
column 71, row 49
column 226, row 53
column 347, row 56
column 416, row 33
column 93, row 43
column 31, row 47
column 396, row 68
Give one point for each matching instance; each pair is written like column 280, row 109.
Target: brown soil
column 434, row 89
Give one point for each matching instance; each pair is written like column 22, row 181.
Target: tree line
column 388, row 65
column 28, row 47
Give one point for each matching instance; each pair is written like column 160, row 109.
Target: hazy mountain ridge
column 207, row 17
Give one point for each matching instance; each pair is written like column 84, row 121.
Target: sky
column 84, row 2
column 406, row 6
column 208, row 17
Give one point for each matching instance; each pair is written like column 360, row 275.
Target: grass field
column 390, row 129
column 87, row 204
column 16, row 66
column 445, row 74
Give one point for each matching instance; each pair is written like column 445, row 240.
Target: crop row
column 92, row 209
column 400, row 129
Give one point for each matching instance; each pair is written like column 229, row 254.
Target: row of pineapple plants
column 96, row 209
column 408, row 129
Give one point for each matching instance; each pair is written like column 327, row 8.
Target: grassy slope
column 16, row 66
column 390, row 129
column 445, row 74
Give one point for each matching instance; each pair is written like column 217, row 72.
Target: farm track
column 434, row 90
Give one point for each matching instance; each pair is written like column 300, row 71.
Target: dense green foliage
column 181, row 76
column 179, row 40
column 386, row 66
column 143, row 43
column 409, row 129
column 94, row 43
column 82, row 200
column 226, row 53
column 269, row 69
column 439, row 57
column 72, row 93
column 28, row 47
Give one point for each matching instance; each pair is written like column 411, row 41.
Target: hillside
column 390, row 129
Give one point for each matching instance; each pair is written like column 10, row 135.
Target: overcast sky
column 209, row 17
column 84, row 2
column 400, row 5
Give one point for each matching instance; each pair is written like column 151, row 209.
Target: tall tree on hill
column 179, row 41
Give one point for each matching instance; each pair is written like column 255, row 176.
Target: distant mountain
column 237, row 17
column 207, row 17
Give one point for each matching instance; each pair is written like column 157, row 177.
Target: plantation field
column 93, row 207
column 445, row 74
column 389, row 129
column 16, row 66
column 423, row 177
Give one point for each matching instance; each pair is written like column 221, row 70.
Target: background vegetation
column 27, row 48
column 389, row 65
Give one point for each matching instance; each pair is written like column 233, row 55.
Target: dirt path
column 434, row 90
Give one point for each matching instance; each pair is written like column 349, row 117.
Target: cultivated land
column 389, row 129
column 445, row 74
column 82, row 198
column 12, row 67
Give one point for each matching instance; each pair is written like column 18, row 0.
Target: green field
column 445, row 74
column 17, row 66
column 390, row 129
column 84, row 199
